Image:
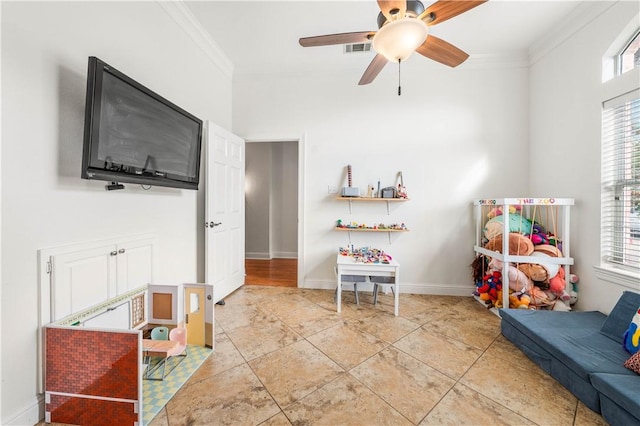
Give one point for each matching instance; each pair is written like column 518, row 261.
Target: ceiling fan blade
column 392, row 9
column 341, row 38
column 441, row 51
column 442, row 10
column 373, row 69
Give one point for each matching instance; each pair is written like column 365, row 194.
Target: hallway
column 272, row 272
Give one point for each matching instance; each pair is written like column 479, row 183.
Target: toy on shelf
column 375, row 227
column 366, row 254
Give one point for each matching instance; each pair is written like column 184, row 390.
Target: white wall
column 257, row 200
column 44, row 202
column 284, row 199
column 456, row 134
column 566, row 97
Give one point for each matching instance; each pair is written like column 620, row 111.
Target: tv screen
column 134, row 135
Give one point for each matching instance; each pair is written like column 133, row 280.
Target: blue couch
column 584, row 352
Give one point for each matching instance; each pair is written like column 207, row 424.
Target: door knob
column 215, row 224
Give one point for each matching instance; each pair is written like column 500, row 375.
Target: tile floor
column 284, row 356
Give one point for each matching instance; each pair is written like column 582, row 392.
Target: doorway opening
column 271, row 213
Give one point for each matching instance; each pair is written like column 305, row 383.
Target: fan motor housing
column 414, row 8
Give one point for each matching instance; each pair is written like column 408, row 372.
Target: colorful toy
column 488, row 289
column 517, row 223
column 518, row 281
column 519, row 245
column 497, row 211
column 557, row 285
column 573, row 293
column 519, row 300
column 631, row 336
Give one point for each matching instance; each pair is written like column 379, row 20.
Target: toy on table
column 366, row 254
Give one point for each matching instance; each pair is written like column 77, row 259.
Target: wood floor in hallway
column 273, row 272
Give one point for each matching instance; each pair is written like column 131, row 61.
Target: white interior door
column 224, row 211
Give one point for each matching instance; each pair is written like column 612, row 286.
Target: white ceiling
column 262, row 36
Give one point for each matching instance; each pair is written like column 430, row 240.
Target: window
column 629, row 56
column 621, row 182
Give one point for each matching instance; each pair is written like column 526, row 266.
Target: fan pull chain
column 399, row 88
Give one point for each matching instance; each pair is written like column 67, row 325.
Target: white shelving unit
column 558, row 209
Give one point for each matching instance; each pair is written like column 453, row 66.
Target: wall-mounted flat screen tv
column 134, row 135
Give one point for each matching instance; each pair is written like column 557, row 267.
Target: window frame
column 618, row 58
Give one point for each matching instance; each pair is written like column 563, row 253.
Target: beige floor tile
column 385, row 326
column 232, row 316
column 405, row 383
column 446, row 355
column 265, row 334
column 233, row 397
column 586, row 417
column 346, row 345
column 307, row 369
column 472, row 325
column 160, row 419
column 225, row 357
column 464, row 406
column 278, row 420
column 345, row 401
column 302, row 315
column 503, row 375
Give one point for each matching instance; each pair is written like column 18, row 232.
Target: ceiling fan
column 403, row 27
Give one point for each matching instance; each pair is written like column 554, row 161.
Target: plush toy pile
column 540, row 285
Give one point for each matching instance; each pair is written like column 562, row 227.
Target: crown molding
column 185, row 19
column 581, row 16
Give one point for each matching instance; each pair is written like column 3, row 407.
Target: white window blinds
column 620, row 167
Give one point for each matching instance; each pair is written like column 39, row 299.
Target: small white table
column 347, row 265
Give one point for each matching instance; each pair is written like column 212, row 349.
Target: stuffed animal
column 517, row 223
column 573, row 293
column 519, row 245
column 518, row 281
column 538, row 235
column 539, row 297
column 557, row 285
column 490, row 286
column 497, row 211
column 519, row 300
column 535, row 272
column 478, row 268
column 631, row 337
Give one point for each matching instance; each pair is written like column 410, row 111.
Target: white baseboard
column 285, row 254
column 276, row 255
column 257, row 255
column 29, row 416
column 408, row 288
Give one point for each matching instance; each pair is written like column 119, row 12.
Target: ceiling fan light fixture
column 397, row 40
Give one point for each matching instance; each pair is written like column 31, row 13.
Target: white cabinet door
column 135, row 264
column 224, row 211
column 81, row 279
